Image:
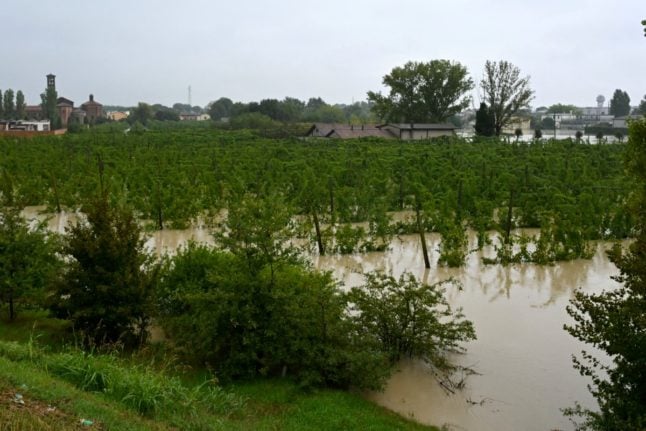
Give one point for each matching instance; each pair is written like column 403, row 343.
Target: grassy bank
column 44, row 386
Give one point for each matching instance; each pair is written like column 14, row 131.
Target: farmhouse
column 409, row 131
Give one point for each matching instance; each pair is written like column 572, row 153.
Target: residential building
column 117, row 115
column 417, row 131
column 408, row 131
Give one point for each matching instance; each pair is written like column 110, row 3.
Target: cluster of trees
column 249, row 307
column 144, row 113
column 12, row 106
column 436, row 90
column 288, row 110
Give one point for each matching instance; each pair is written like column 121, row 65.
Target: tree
column 106, row 288
column 1, row 108
column 504, row 91
column 620, row 103
column 48, row 102
column 548, row 123
column 8, row 104
column 484, row 121
column 20, row 105
column 538, row 133
column 578, row 135
column 642, row 107
column 518, row 132
column 613, row 321
column 560, row 108
column 27, row 258
column 221, row 108
column 143, row 113
column 407, row 318
column 166, row 114
column 423, row 92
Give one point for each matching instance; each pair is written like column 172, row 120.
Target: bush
column 406, row 318
column 285, row 320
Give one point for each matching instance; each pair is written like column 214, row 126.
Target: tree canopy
column 560, row 108
column 423, row 92
column 504, row 91
column 106, row 288
column 484, row 121
column 620, row 103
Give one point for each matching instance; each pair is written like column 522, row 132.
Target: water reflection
column 522, row 353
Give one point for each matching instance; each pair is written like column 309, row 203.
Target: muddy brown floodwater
column 522, row 354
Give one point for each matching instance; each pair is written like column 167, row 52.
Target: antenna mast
column 189, row 96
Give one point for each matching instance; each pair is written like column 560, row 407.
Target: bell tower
column 51, row 81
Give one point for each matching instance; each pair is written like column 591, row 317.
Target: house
column 417, row 131
column 389, row 131
column 93, row 110
column 524, row 124
column 363, row 131
column 189, row 116
column 24, row 126
column 117, row 115
column 622, row 122
column 347, row 131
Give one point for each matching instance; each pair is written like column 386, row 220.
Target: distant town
column 57, row 114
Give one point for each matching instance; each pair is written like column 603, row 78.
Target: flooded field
column 522, row 354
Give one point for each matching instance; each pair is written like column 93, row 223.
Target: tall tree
column 48, row 103
column 219, row 109
column 143, row 113
column 107, row 286
column 615, row 321
column 1, row 107
column 642, row 106
column 423, row 92
column 28, row 260
column 484, row 121
column 20, row 105
column 8, row 104
column 620, row 103
column 504, row 91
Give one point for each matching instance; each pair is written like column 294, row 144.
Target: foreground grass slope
column 47, row 387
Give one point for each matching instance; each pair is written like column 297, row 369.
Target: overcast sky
column 143, row 50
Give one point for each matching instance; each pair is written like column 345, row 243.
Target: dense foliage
column 614, row 321
column 107, row 283
column 423, row 92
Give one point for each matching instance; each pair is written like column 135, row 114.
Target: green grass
column 32, row 324
column 139, row 393
column 280, row 405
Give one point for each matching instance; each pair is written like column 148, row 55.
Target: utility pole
column 190, row 103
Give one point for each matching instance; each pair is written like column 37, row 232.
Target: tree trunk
column 420, row 229
column 319, row 239
column 509, row 216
